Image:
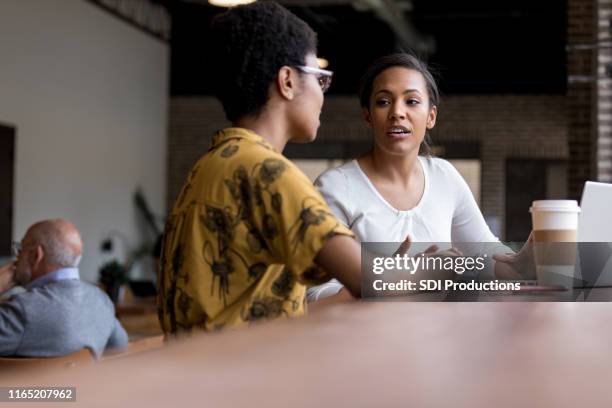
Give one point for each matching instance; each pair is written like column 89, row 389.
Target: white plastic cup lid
column 555, row 205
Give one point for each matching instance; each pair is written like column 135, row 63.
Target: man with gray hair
column 57, row 314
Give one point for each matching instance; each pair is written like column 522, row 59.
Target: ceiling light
column 229, row 3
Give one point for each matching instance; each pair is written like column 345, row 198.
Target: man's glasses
column 17, row 247
column 323, row 76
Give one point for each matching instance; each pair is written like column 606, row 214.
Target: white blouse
column 446, row 213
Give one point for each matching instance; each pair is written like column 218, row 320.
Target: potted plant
column 112, row 275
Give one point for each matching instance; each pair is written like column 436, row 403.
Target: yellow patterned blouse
column 240, row 242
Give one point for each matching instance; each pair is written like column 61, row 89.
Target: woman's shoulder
column 439, row 168
column 335, row 186
column 445, row 180
column 337, row 174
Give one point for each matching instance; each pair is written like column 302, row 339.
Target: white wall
column 88, row 95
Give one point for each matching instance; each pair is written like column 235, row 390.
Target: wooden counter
column 372, row 354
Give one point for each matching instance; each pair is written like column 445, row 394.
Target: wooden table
column 528, row 294
column 372, row 354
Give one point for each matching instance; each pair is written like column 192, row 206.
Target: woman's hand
column 433, row 250
column 519, row 266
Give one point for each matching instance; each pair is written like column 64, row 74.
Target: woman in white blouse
column 392, row 192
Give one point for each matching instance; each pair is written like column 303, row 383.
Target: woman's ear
column 366, row 116
column 286, row 82
column 431, row 119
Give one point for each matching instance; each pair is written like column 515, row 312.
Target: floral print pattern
column 240, row 241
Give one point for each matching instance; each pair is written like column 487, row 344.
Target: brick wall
column 581, row 94
column 576, row 127
column 604, row 91
column 589, row 92
column 505, row 126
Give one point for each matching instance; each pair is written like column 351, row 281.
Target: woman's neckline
column 384, row 201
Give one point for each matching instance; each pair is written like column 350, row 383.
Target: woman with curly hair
column 248, row 230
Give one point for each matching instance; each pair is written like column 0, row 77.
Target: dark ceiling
column 494, row 46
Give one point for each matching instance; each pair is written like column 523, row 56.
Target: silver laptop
column 595, row 221
column 595, row 234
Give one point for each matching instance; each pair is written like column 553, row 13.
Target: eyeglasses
column 323, row 76
column 17, row 247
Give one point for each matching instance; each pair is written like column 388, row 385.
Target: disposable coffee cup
column 555, row 230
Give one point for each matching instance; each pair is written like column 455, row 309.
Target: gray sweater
column 59, row 318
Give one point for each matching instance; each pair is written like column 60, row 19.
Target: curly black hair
column 250, row 44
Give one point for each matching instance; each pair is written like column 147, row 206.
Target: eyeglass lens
column 325, row 82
